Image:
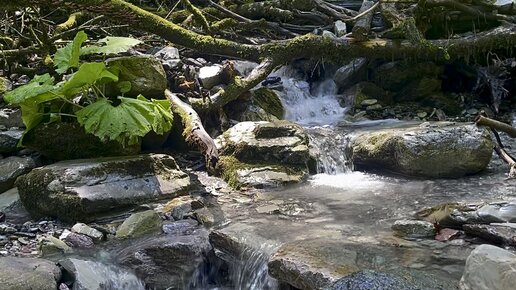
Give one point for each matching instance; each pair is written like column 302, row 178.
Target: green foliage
column 81, row 95
column 112, row 45
column 131, row 119
column 68, row 56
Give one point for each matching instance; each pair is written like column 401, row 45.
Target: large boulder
column 65, row 141
column 91, row 275
column 489, row 268
column 145, row 74
column 80, row 190
column 13, row 167
column 263, row 154
column 170, row 261
column 429, row 150
column 28, row 274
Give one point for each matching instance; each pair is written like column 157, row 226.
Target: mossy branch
column 197, row 14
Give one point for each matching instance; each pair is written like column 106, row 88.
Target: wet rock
column 249, row 147
column 456, row 214
column 181, row 228
column 84, row 229
column 374, row 280
column 328, row 34
column 179, row 207
column 312, row 264
column 272, row 208
column 205, row 217
column 53, row 140
column 91, row 275
column 270, row 102
column 51, row 245
column 489, row 268
column 28, row 274
column 75, row 240
column 145, row 73
column 414, row 228
column 9, row 140
column 210, row 76
column 243, row 67
column 498, row 212
column 169, row 57
column 139, row 224
column 350, row 73
column 499, row 234
column 11, row 118
column 81, row 190
column 13, row 167
column 170, row 261
column 339, row 28
column 447, row 234
column 442, row 150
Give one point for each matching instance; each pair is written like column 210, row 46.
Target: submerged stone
column 443, row 150
column 81, row 190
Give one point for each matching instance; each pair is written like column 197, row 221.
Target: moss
column 3, row 85
column 269, row 101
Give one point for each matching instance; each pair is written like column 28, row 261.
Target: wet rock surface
column 9, row 140
column 414, row 228
column 489, row 268
column 429, row 150
column 81, row 189
column 139, row 224
column 501, row 234
column 28, row 273
column 11, row 168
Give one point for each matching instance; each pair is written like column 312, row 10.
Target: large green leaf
column 112, row 45
column 125, row 123
column 32, row 114
column 68, row 56
column 87, row 75
column 40, row 87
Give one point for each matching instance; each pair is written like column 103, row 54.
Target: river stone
column 11, row 118
column 9, row 140
column 169, row 57
column 91, row 275
column 339, row 28
column 53, row 141
column 28, row 274
column 81, row 190
column 498, row 212
column 169, row 261
column 84, row 229
column 13, row 167
column 350, row 73
column 312, row 264
column 210, row 76
column 76, row 240
column 139, row 224
column 145, row 73
column 489, row 268
column 440, row 150
column 181, row 227
column 498, row 234
column 414, row 228
column 181, row 206
column 374, row 280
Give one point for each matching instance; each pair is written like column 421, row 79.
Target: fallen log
column 496, row 125
column 194, row 132
column 363, row 25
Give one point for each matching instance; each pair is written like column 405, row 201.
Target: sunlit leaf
column 112, row 45
column 87, row 75
column 68, row 56
column 127, row 122
column 39, row 87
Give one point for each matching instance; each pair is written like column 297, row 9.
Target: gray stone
column 446, row 150
column 28, row 274
column 11, row 118
column 182, row 227
column 351, row 73
column 205, row 217
column 210, row 76
column 145, row 73
column 81, row 190
column 76, row 240
column 13, row 167
column 414, row 229
column 243, row 67
column 8, row 199
column 51, row 245
column 498, row 212
column 181, row 206
column 9, row 140
column 139, row 224
column 498, row 234
column 84, row 229
column 489, row 268
column 271, row 208
column 5, row 85
column 369, row 102
column 169, row 57
column 328, row 34
column 171, row 261
column 312, row 264
column 267, row 177
column 339, row 28
column 91, row 275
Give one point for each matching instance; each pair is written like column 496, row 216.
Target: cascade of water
column 331, row 147
column 305, row 105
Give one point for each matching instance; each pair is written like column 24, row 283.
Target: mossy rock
column 445, row 150
column 64, row 141
column 394, row 76
column 5, row 85
column 270, row 102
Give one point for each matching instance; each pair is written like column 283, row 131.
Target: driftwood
column 496, row 125
column 194, row 132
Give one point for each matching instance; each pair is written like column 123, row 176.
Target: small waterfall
column 332, row 150
column 309, row 105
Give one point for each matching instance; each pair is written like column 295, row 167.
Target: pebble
column 369, row 102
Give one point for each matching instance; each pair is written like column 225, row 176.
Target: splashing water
column 305, row 105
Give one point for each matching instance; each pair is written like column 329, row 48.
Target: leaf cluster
column 80, row 96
